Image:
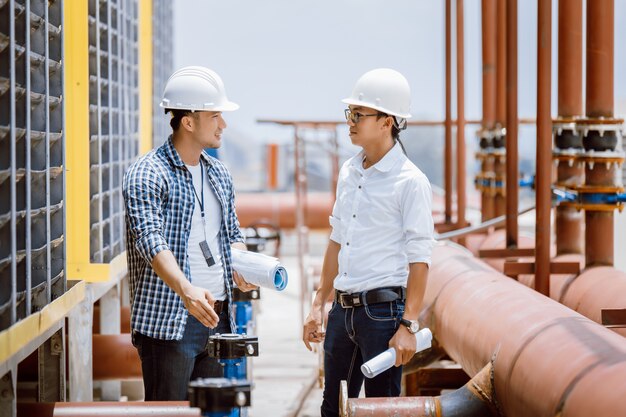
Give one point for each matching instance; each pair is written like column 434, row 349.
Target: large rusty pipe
column 448, row 121
column 543, row 191
column 511, row 125
column 474, row 399
column 479, row 315
column 460, row 115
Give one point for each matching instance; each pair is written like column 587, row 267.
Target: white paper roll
column 258, row 269
column 387, row 359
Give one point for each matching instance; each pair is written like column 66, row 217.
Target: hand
column 199, row 302
column 405, row 345
column 242, row 284
column 312, row 329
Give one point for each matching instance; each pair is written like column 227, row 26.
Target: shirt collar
column 173, row 155
column 385, row 164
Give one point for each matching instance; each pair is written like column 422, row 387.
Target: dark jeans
column 354, row 336
column 169, row 365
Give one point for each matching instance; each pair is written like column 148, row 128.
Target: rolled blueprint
column 258, row 269
column 387, row 359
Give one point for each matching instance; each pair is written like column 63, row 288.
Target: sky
column 296, row 60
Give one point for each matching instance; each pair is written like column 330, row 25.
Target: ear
column 187, row 123
column 388, row 123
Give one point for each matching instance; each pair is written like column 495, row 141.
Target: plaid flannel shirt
column 159, row 201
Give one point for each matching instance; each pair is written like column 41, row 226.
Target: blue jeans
column 169, row 365
column 354, row 336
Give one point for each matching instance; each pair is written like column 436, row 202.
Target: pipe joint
column 600, row 135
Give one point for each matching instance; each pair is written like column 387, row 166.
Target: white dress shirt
column 383, row 221
column 202, row 275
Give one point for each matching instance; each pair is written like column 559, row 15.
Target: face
column 369, row 128
column 206, row 128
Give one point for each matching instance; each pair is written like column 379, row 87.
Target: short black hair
column 177, row 116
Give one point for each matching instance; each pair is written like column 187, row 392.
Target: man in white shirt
column 379, row 250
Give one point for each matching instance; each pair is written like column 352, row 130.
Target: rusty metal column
column 544, row 147
column 499, row 164
column 448, row 121
column 488, row 26
column 511, row 124
column 599, row 103
column 567, row 141
column 460, row 116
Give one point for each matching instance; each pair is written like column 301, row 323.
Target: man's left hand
column 242, row 284
column 405, row 345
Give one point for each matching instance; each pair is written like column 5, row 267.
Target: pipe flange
column 219, row 394
column 232, row 346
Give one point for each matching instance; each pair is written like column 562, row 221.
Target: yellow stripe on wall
column 145, row 76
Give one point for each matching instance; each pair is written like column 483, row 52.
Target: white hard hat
column 197, row 89
column 382, row 89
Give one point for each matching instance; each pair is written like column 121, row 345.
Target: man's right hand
column 199, row 302
column 312, row 329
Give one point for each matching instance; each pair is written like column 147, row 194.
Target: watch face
column 414, row 328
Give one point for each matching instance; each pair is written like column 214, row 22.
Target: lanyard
column 201, row 199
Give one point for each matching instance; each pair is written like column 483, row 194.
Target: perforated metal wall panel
column 31, row 157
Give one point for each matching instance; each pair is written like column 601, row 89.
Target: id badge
column 206, row 252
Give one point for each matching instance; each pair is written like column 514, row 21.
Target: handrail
column 479, row 227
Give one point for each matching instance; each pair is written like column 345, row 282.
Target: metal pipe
column 474, row 399
column 488, row 27
column 27, row 178
column 280, row 209
column 599, row 103
column 104, row 408
column 460, row 115
column 501, row 62
column 568, row 221
column 47, row 104
column 600, row 50
column 448, row 120
column 543, row 191
column 115, row 358
column 511, row 125
column 531, row 337
column 13, row 162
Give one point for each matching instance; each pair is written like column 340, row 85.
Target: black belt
column 219, row 306
column 379, row 295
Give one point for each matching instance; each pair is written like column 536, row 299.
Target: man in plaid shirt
column 180, row 227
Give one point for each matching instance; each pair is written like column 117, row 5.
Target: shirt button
column 353, row 216
column 348, row 243
column 360, row 187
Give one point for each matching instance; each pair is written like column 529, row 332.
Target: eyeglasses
column 355, row 117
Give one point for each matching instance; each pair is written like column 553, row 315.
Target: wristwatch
column 412, row 325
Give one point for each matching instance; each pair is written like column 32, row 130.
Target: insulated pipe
column 511, row 125
column 474, row 399
column 448, row 121
column 543, row 191
column 478, row 315
column 460, row 115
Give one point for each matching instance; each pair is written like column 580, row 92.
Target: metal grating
column 32, row 246
column 114, row 118
column 163, row 63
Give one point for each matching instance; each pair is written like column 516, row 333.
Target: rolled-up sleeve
column 143, row 191
column 417, row 220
